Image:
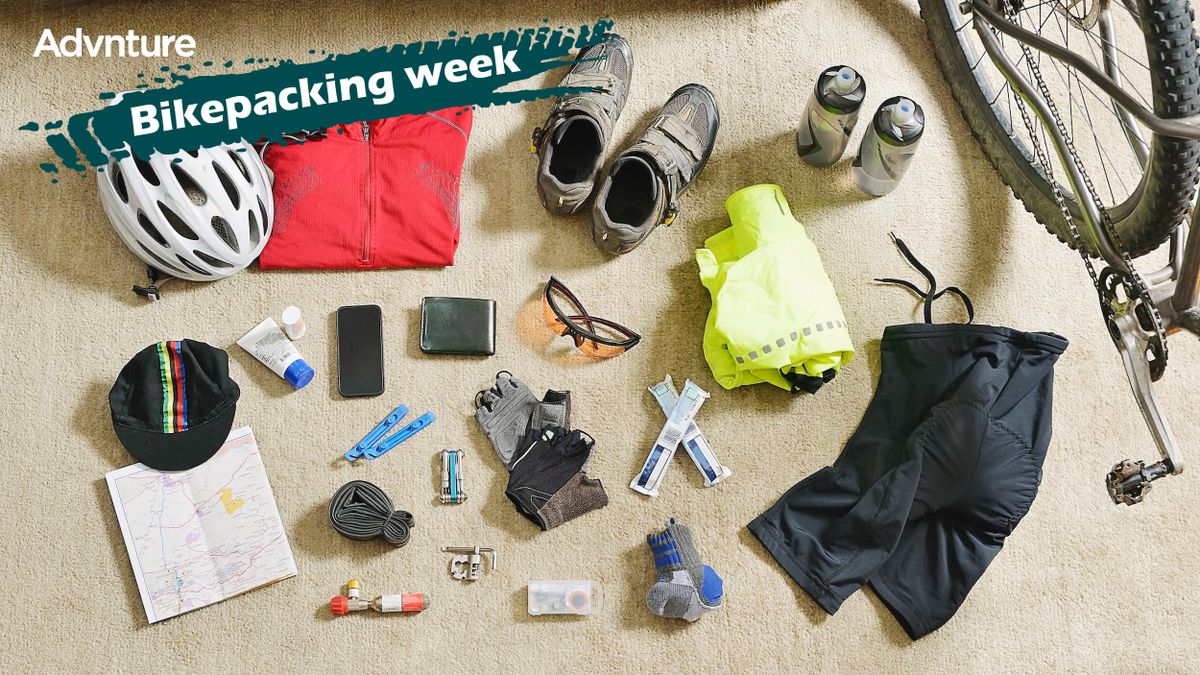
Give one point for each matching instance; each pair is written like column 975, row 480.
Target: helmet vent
column 118, row 180
column 255, row 234
column 192, row 267
column 230, row 188
column 194, row 192
column 146, row 170
column 177, row 223
column 211, row 261
column 265, row 222
column 221, row 227
column 159, row 262
column 151, row 229
column 240, row 165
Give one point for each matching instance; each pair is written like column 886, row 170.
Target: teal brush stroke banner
column 205, row 111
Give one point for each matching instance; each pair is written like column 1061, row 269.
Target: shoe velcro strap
column 683, row 135
column 671, row 157
column 568, row 109
column 590, row 81
column 659, row 153
column 676, row 160
column 599, row 110
column 584, row 104
column 600, row 100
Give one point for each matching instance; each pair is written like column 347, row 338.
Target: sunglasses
column 596, row 337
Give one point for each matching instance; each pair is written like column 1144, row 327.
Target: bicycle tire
column 1163, row 197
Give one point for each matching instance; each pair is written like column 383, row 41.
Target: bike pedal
column 1129, row 481
column 1124, row 483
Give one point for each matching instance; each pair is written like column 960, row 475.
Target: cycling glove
column 547, row 482
column 503, row 412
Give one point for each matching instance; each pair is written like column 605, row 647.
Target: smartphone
column 360, row 350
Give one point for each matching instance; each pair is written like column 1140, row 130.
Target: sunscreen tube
column 267, row 343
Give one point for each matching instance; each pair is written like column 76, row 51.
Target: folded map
column 199, row 536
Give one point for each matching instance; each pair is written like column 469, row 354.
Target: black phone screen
column 360, row 350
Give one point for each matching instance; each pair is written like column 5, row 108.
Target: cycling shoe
column 643, row 184
column 572, row 143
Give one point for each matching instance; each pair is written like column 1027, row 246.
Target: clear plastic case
column 565, row 597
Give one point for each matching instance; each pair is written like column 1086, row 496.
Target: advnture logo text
column 131, row 44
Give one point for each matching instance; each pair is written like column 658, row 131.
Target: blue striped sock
column 686, row 587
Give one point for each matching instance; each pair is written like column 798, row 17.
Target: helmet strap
column 150, row 290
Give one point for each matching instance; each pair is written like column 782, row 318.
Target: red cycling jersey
column 370, row 194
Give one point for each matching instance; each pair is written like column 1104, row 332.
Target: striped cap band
column 174, row 383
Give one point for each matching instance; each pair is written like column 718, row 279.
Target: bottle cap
column 845, row 81
column 903, row 112
column 299, row 373
column 293, row 323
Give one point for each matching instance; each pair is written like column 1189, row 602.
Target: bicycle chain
column 1136, row 290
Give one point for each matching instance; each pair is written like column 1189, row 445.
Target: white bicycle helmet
column 200, row 215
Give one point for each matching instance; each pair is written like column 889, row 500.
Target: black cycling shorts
column 945, row 463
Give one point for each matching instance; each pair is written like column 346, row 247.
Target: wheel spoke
column 1109, row 104
column 1104, row 154
column 1102, row 43
column 1078, row 83
column 1100, row 96
column 1003, row 88
column 1025, row 148
column 982, row 56
column 1080, row 92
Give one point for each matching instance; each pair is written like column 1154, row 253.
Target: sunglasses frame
column 579, row 333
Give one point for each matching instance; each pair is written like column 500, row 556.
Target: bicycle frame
column 1174, row 289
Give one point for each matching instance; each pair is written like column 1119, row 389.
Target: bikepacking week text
column 203, row 104
column 378, row 88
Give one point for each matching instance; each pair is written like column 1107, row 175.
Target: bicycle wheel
column 1145, row 181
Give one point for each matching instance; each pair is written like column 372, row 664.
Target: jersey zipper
column 366, row 242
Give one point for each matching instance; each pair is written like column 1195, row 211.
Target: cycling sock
column 686, row 587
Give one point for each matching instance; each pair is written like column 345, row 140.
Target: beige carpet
column 1082, row 585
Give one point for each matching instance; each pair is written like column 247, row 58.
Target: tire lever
column 400, row 436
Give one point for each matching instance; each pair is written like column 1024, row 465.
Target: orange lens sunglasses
column 582, row 327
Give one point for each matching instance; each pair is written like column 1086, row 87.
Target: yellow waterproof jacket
column 775, row 316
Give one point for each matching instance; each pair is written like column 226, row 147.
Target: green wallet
column 458, row 326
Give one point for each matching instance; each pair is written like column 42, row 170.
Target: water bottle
column 889, row 146
column 829, row 118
